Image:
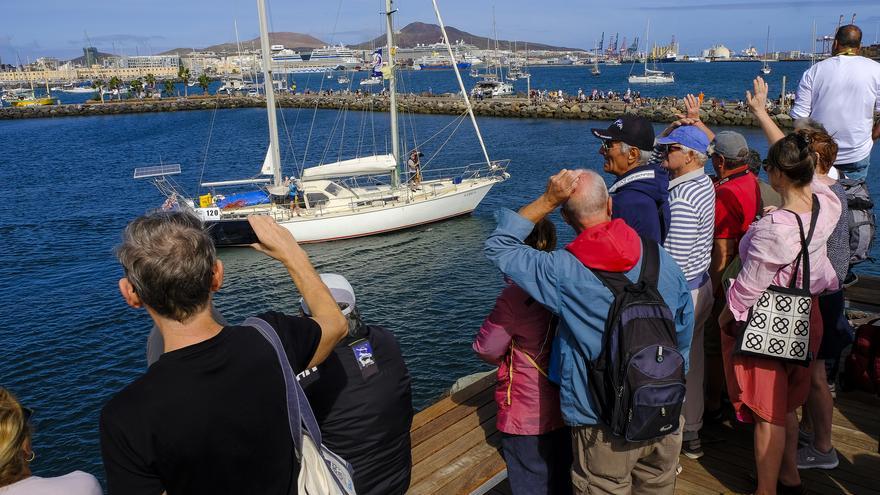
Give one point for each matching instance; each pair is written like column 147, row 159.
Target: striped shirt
column 691, row 232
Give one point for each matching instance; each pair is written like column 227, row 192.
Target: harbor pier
column 657, row 109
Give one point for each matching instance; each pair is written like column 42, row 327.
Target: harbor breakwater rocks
column 656, row 111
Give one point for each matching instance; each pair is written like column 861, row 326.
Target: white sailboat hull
column 651, row 79
column 387, row 219
column 390, row 210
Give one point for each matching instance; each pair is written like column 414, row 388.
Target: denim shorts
column 855, row 170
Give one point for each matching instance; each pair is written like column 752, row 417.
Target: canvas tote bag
column 321, row 471
column 779, row 323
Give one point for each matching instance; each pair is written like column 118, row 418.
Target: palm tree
column 114, row 85
column 204, row 81
column 184, row 75
column 169, row 87
column 150, row 80
column 137, row 86
column 99, row 85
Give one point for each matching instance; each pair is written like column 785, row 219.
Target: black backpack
column 637, row 381
column 862, row 225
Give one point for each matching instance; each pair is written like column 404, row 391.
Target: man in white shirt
column 843, row 92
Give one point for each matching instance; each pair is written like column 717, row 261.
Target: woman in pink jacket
column 517, row 337
column 766, row 391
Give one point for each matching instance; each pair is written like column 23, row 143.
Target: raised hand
column 560, row 186
column 692, row 107
column 757, row 99
column 275, row 240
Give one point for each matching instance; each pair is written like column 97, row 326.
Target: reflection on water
column 68, row 341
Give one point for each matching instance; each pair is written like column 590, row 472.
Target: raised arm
column 757, row 101
column 690, row 117
column 278, row 242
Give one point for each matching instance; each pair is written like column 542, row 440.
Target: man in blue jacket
column 562, row 282
column 641, row 192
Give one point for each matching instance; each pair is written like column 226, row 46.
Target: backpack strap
column 649, row 272
column 299, row 412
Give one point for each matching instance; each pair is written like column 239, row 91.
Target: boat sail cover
column 268, row 163
column 366, row 165
column 651, row 72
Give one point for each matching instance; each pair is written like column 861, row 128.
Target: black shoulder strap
column 617, row 282
column 804, row 253
column 650, row 271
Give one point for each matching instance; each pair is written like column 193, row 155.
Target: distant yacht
column 651, row 76
column 765, row 68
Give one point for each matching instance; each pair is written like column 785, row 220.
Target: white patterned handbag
column 779, row 323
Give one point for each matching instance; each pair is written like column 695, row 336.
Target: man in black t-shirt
column 210, row 415
column 362, row 400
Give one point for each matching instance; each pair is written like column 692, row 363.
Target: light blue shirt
column 560, row 282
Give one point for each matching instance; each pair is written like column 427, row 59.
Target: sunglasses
column 666, row 149
column 28, row 412
column 607, row 144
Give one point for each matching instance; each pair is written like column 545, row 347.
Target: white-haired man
column 564, row 282
column 689, row 242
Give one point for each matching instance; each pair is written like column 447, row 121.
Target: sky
column 60, row 28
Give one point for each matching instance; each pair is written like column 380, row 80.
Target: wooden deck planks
column 455, row 449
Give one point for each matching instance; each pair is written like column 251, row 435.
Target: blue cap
column 687, row 135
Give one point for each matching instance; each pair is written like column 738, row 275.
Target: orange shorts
column 767, row 387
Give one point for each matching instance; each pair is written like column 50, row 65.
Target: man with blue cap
column 689, row 242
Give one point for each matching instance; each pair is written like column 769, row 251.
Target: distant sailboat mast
column 269, row 88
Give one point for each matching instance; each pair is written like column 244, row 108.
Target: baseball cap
column 341, row 291
column 687, row 135
column 731, row 145
column 632, row 130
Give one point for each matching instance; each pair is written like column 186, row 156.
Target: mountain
column 294, row 41
column 421, row 33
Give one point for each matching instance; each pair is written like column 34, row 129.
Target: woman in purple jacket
column 517, row 336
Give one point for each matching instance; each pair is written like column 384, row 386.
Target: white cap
column 340, row 289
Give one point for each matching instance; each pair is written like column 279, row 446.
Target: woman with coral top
column 764, row 390
column 517, row 337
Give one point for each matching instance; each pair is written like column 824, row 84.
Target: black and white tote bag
column 779, row 323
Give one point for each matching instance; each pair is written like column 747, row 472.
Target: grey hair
column 644, row 156
column 169, row 259
column 587, row 201
column 702, row 158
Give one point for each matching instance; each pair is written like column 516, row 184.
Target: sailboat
column 595, row 69
column 30, row 98
column 765, row 68
column 492, row 83
column 331, row 201
column 651, row 76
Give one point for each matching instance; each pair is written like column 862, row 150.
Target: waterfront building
column 149, row 61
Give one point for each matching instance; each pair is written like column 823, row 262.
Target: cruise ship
column 325, row 59
column 440, row 62
column 338, row 56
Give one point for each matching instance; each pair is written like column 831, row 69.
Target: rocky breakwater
column 656, row 111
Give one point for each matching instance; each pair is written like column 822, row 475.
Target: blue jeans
column 856, row 170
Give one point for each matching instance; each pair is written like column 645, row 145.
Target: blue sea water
column 723, row 80
column 67, row 339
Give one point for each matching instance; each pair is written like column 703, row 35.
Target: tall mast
column 392, row 89
column 269, row 88
column 464, row 92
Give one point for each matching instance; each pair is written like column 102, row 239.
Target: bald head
column 588, row 203
column 849, row 36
